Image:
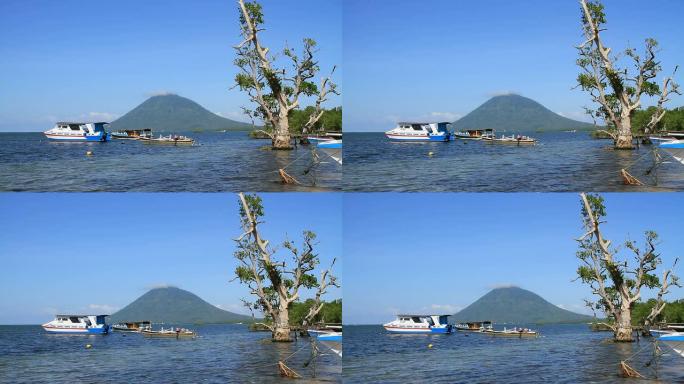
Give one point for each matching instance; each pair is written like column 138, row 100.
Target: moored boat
column 171, row 333
column 78, row 324
column 674, row 148
column 136, row 326
column 332, row 148
column 132, row 134
column 169, row 140
column 72, row 131
column 514, row 332
column 419, row 324
column 419, row 132
column 474, row 326
column 674, row 340
column 513, row 139
column 472, row 134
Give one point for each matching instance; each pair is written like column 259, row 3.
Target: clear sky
column 441, row 252
column 92, row 60
column 99, row 252
column 439, row 60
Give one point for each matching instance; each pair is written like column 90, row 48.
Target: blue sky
column 94, row 60
column 441, row 252
column 439, row 60
column 99, row 252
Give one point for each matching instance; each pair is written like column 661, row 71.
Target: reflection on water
column 221, row 354
column 563, row 354
column 561, row 161
column 220, row 162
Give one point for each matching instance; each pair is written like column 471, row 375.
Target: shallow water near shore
column 221, row 354
column 220, row 161
column 560, row 162
column 562, row 354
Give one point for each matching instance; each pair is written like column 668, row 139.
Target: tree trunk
column 623, row 325
column 281, row 329
column 281, row 134
column 624, row 132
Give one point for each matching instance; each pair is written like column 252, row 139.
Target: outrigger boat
column 513, row 139
column 78, row 324
column 674, row 340
column 475, row 326
column 171, row 333
column 329, row 337
column 332, row 148
column 70, row 131
column 515, row 332
column 473, row 134
column 132, row 134
column 169, row 140
column 420, row 132
column 419, row 324
column 674, row 148
column 137, row 326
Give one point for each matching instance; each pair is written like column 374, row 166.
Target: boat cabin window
column 417, row 127
column 74, row 127
column 74, row 319
column 416, row 320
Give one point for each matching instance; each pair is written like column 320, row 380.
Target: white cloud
column 445, row 308
column 104, row 116
column 445, row 116
column 104, row 308
column 505, row 92
column 503, row 285
column 160, row 285
column 161, row 92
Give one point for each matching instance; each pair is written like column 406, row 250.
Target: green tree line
column 331, row 120
column 330, row 313
column 672, row 121
column 672, row 313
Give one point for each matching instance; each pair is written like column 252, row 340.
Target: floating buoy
column 88, row 346
column 430, row 153
column 429, row 346
column 89, row 153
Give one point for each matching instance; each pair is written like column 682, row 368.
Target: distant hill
column 175, row 113
column 516, row 305
column 516, row 113
column 174, row 305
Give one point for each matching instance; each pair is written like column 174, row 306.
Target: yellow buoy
column 88, row 346
column 89, row 153
column 430, row 153
column 429, row 345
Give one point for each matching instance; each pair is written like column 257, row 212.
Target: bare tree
column 276, row 91
column 327, row 280
column 617, row 284
column 618, row 91
column 274, row 284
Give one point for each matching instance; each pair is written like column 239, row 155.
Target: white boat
column 674, row 148
column 169, row 140
column 136, row 326
column 473, row 134
column 332, row 148
column 513, row 332
column 674, row 340
column 419, row 324
column 330, row 338
column 419, row 132
column 513, row 139
column 78, row 324
column 70, row 131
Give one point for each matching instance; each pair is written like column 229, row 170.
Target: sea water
column 220, row 354
column 220, row 161
column 562, row 354
column 560, row 161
